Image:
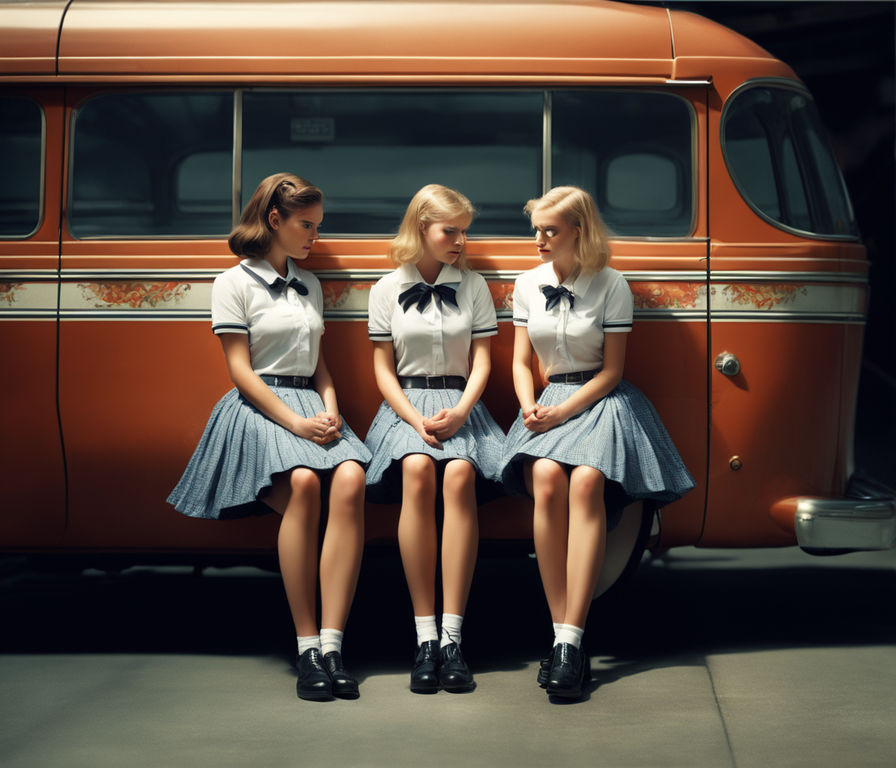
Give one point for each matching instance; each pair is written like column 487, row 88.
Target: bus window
column 21, row 158
column 633, row 152
column 152, row 164
column 373, row 150
column 781, row 163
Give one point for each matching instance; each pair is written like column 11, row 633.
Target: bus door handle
column 727, row 364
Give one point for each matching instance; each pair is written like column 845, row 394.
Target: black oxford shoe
column 344, row 685
column 314, row 682
column 454, row 674
column 567, row 672
column 425, row 674
column 544, row 669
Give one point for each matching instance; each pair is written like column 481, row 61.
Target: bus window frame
column 799, row 152
column 237, row 93
column 42, row 196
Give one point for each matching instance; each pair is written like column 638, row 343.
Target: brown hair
column 432, row 203
column 285, row 192
column 579, row 210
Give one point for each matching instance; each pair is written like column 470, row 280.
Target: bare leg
column 550, row 530
column 587, row 542
column 417, row 531
column 460, row 534
column 295, row 496
column 340, row 557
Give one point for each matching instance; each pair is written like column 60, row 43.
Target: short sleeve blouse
column 569, row 339
column 284, row 326
column 436, row 341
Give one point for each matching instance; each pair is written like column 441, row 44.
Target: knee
column 587, row 482
column 304, row 483
column 459, row 478
column 348, row 481
column 418, row 474
column 549, row 479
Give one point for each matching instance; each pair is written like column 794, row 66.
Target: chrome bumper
column 825, row 526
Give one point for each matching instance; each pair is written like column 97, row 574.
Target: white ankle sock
column 330, row 640
column 426, row 629
column 569, row 634
column 557, row 626
column 309, row 641
column 451, row 624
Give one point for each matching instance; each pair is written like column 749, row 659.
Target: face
column 296, row 233
column 444, row 241
column 555, row 237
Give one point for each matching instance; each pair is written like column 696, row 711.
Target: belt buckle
column 435, row 382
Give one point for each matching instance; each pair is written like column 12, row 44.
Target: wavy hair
column 579, row 209
column 432, row 203
column 285, row 192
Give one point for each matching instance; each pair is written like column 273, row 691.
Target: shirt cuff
column 230, row 328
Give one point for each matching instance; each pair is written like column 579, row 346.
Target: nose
column 539, row 238
column 460, row 238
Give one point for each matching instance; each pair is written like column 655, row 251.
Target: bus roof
column 351, row 40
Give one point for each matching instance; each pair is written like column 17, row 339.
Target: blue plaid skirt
column 241, row 450
column 391, row 438
column 621, row 435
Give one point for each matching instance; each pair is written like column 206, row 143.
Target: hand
column 428, row 438
column 335, row 419
column 541, row 418
column 319, row 429
column 445, row 423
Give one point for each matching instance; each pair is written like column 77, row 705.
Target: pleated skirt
column 621, row 435
column 391, row 438
column 241, row 450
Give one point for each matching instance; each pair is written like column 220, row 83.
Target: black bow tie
column 553, row 296
column 422, row 293
column 300, row 287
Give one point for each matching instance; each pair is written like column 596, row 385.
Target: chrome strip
column 786, row 277
column 546, row 156
column 236, row 201
column 845, row 524
column 763, row 276
column 707, row 81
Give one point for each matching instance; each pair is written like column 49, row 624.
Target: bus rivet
column 735, row 463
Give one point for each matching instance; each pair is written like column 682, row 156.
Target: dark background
column 845, row 54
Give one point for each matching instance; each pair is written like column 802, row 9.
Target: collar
column 265, row 274
column 579, row 286
column 408, row 274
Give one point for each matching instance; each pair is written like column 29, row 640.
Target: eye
column 551, row 232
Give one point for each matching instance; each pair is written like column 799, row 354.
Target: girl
column 589, row 428
column 277, row 439
column 430, row 321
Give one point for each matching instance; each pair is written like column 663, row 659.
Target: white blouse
column 435, row 341
column 284, row 326
column 569, row 339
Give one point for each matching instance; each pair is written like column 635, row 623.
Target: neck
column 278, row 261
column 564, row 268
column 429, row 269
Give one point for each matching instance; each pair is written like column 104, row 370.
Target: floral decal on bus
column 8, row 291
column 134, row 295
column 763, row 296
column 667, row 295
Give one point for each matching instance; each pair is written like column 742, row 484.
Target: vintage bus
column 132, row 133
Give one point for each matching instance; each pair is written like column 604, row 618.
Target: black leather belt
column 577, row 377
column 296, row 382
column 432, row 382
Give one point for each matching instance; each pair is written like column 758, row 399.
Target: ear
column 274, row 219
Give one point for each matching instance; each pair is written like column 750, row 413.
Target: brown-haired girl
column 277, row 439
column 430, row 321
column 590, row 431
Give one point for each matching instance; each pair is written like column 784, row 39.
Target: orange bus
column 132, row 133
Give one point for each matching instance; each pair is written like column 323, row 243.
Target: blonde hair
column 285, row 192
column 579, row 210
column 432, row 203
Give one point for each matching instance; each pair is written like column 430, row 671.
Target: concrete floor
column 715, row 658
